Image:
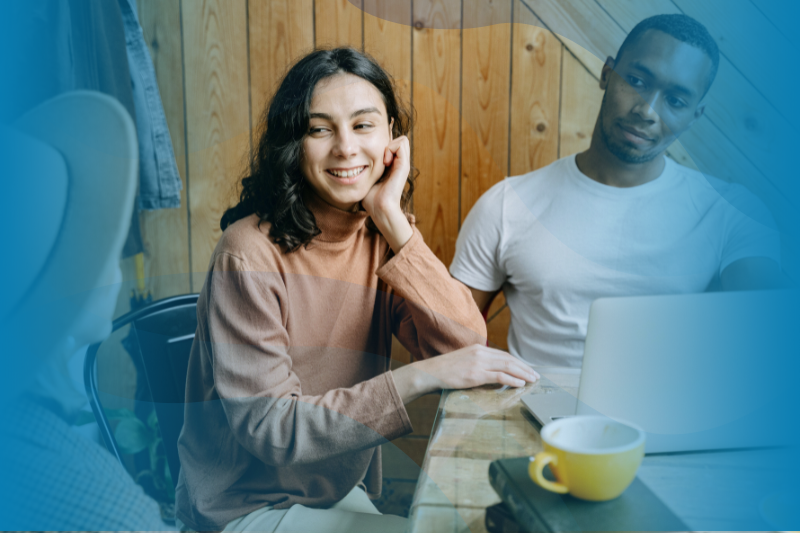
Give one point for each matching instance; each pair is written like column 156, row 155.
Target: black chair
column 164, row 332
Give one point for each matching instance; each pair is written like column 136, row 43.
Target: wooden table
column 474, row 427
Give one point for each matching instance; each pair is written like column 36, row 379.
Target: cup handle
column 536, row 467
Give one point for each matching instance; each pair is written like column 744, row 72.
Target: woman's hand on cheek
column 383, row 199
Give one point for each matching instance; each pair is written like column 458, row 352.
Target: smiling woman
column 289, row 394
column 293, row 135
column 348, row 134
column 347, row 150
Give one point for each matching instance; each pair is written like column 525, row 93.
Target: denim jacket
column 159, row 182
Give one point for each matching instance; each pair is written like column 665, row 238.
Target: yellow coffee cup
column 592, row 457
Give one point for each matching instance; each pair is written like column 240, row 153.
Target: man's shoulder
column 712, row 187
column 553, row 170
column 534, row 182
column 695, row 179
column 731, row 200
column 501, row 207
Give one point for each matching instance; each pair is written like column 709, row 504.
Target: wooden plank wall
column 500, row 87
column 167, row 265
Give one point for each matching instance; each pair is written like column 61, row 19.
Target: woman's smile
column 346, row 176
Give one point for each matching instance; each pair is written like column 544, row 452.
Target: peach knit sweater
column 288, row 394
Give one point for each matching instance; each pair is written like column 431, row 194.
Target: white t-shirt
column 555, row 240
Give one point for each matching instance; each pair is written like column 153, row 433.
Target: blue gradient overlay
column 752, row 489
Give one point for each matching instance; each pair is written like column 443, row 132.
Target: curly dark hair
column 274, row 186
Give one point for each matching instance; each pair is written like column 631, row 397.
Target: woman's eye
column 363, row 126
column 316, row 130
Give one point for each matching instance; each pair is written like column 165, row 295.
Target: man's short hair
column 681, row 27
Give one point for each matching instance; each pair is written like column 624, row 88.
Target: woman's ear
column 391, row 129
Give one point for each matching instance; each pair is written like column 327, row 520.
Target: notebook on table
column 536, row 509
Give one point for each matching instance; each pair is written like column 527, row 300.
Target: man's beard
column 621, row 151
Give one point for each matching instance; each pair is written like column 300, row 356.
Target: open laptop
column 696, row 371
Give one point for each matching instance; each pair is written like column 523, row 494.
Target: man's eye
column 635, row 82
column 363, row 126
column 675, row 102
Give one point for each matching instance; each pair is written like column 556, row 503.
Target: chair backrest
column 164, row 331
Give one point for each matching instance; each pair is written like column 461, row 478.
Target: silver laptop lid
column 694, row 371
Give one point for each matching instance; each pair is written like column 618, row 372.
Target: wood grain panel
column 215, row 45
column 387, row 37
column 679, row 153
column 498, row 320
column 783, row 15
column 580, row 103
column 590, row 61
column 582, row 21
column 498, row 329
column 486, row 42
column 535, row 95
column 166, row 232
column 436, row 57
column 737, row 109
column 400, row 355
column 339, row 23
column 756, row 57
column 281, row 31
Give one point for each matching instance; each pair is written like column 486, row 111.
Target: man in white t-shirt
column 619, row 219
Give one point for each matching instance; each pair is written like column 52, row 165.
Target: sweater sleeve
column 261, row 396
column 433, row 313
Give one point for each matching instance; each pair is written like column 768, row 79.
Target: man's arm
column 477, row 261
column 482, row 298
column 748, row 274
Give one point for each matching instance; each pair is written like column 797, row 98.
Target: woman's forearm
column 394, row 227
column 434, row 313
column 413, row 382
